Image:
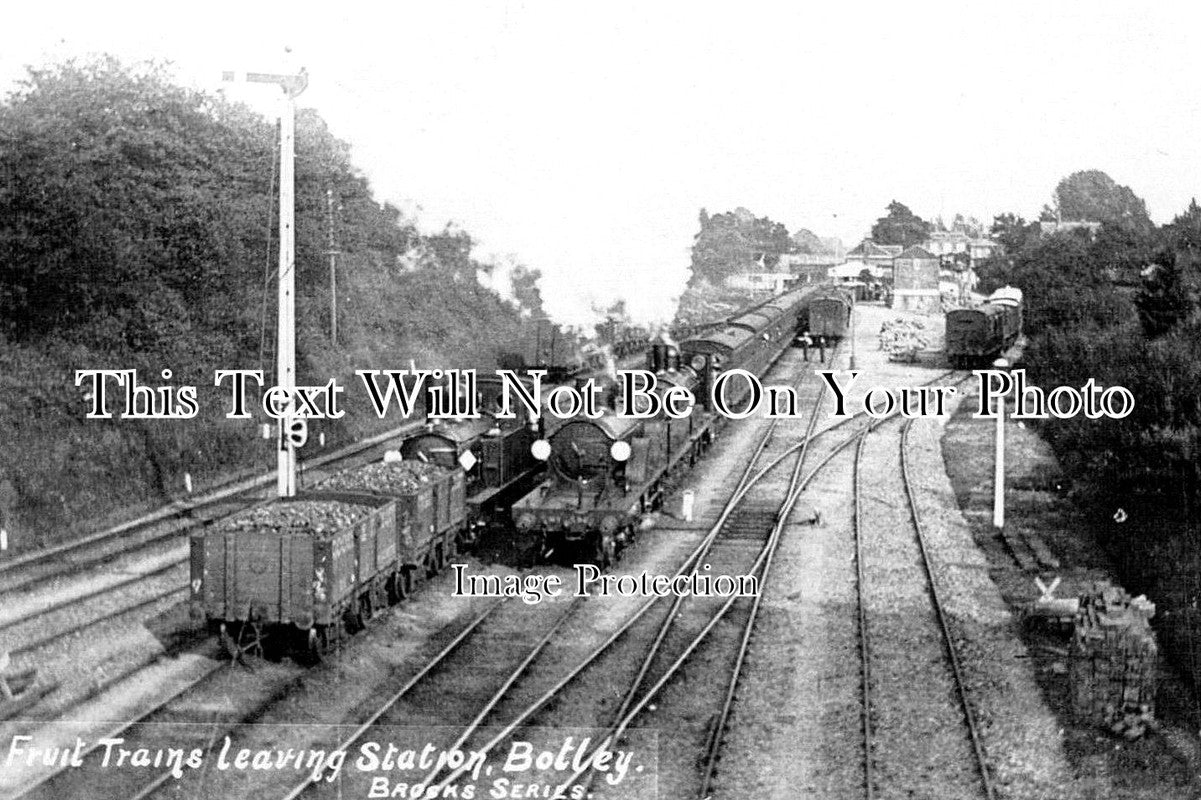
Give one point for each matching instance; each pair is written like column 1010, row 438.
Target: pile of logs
column 902, row 339
column 1113, row 661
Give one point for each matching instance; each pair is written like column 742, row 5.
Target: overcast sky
column 584, row 139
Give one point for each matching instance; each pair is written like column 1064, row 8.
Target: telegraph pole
column 852, row 321
column 292, row 86
column 333, row 273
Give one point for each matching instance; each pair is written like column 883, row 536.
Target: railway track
column 168, row 524
column 679, row 635
column 919, row 730
column 510, row 683
column 197, row 713
column 500, row 704
column 740, row 542
column 109, row 582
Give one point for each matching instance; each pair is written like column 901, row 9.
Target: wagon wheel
column 379, row 594
column 334, row 633
column 253, row 642
column 352, row 617
column 249, row 638
column 432, row 565
column 396, row 587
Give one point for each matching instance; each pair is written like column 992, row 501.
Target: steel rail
column 731, row 504
column 948, row 642
column 177, row 511
column 764, row 557
column 865, row 665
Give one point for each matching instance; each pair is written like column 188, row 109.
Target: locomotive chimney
column 658, row 357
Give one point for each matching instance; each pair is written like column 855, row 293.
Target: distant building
column 1067, row 226
column 915, row 281
column 980, row 249
column 761, row 282
column 945, row 243
column 949, row 244
column 810, row 268
column 877, row 255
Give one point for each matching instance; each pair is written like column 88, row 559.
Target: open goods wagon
column 300, row 573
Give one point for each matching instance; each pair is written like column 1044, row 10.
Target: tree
column 1062, row 286
column 526, row 290
column 736, row 241
column 900, row 227
column 1167, row 297
column 452, row 250
column 1012, row 232
column 1171, row 289
column 806, row 242
column 1093, row 196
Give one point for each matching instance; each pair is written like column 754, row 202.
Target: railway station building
column 915, row 281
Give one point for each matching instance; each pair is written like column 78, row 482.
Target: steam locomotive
column 606, row 473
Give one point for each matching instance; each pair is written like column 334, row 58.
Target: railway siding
column 1020, row 734
column 796, row 728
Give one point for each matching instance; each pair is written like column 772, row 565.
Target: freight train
column 606, row 473
column 976, row 336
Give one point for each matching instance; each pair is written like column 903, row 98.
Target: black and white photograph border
column 525, row 400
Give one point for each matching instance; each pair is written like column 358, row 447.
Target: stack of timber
column 1114, row 658
column 902, row 339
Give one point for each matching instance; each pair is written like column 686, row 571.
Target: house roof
column 958, row 235
column 917, row 251
column 851, row 269
column 869, row 249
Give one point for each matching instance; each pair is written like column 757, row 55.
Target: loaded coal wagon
column 430, row 512
column 293, row 574
column 299, row 573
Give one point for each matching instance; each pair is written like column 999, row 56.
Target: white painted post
column 292, row 85
column 998, row 500
column 286, row 330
